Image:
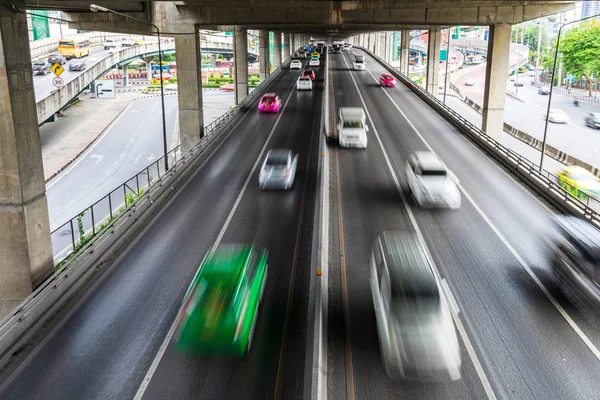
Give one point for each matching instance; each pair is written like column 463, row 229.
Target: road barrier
column 542, row 182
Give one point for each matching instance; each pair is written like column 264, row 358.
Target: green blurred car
column 220, row 308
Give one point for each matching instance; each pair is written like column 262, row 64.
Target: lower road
column 104, row 346
column 493, row 254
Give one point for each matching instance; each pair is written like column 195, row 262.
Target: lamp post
column 97, row 8
column 447, row 62
column 537, row 55
column 552, row 84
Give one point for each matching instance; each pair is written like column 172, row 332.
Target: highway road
column 493, row 254
column 103, row 346
column 574, row 138
column 42, row 84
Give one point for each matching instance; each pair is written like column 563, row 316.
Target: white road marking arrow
column 150, row 157
column 98, row 157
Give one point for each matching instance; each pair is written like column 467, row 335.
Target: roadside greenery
column 580, row 50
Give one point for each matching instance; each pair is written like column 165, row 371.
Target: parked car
column 417, row 337
column 77, row 65
column 270, row 102
column 544, row 90
column 40, row 68
column 593, row 120
column 557, row 116
column 278, row 170
column 110, row 44
column 387, row 80
column 430, row 182
column 304, row 83
column 220, row 309
column 127, row 42
column 576, row 262
column 57, row 58
column 296, row 64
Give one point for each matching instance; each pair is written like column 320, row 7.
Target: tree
column 580, row 49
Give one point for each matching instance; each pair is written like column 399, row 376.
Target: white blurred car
column 110, row 44
column 469, row 82
column 304, row 83
column 417, row 337
column 127, row 42
column 431, row 183
column 278, row 170
column 296, row 64
column 314, row 62
column 557, row 116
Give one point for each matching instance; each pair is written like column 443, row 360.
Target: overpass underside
column 24, row 225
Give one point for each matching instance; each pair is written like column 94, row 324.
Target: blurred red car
column 387, row 80
column 270, row 102
column 310, row 73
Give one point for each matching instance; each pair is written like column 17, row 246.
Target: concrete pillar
column 373, row 41
column 148, row 60
column 390, row 46
column 433, row 60
column 277, row 49
column 495, row 80
column 240, row 59
column 25, row 248
column 286, row 46
column 189, row 90
column 404, row 53
column 263, row 54
column 125, row 76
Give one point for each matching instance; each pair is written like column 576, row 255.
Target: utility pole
column 538, row 51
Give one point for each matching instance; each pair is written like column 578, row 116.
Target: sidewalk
column 82, row 123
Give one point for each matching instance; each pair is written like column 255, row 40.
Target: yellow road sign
column 57, row 69
column 155, row 81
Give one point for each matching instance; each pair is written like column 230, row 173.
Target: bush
column 173, row 80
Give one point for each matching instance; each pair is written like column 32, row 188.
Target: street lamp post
column 552, row 84
column 447, row 62
column 537, row 55
column 97, row 8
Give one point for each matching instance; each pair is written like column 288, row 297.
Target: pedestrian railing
column 557, row 189
column 81, row 229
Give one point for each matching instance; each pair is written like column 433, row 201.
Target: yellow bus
column 74, row 48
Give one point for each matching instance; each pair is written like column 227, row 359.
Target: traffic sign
column 571, row 78
column 57, row 69
column 58, row 82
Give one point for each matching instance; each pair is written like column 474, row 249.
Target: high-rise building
column 589, row 8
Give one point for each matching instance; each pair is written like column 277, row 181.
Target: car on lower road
column 270, row 102
column 557, row 116
column 40, row 68
column 469, row 82
column 544, row 90
column 220, row 308
column 304, row 83
column 430, row 182
column 296, row 64
column 77, row 65
column 57, row 58
column 580, row 182
column 593, row 120
column 278, row 171
column 110, row 44
column 387, row 80
column 127, row 42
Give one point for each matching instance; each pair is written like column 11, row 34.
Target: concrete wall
column 57, row 100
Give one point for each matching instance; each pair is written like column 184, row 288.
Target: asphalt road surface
column 493, row 253
column 574, row 138
column 106, row 346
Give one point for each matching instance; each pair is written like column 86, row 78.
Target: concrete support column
column 390, row 46
column 240, row 60
column 263, row 54
column 189, row 93
column 404, row 53
column 433, row 60
column 286, row 46
column 25, row 248
column 125, row 77
column 373, row 41
column 277, row 48
column 498, row 57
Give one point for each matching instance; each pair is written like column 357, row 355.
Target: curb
column 87, row 146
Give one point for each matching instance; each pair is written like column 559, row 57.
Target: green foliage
column 173, row 80
column 580, row 50
column 530, row 35
column 83, row 238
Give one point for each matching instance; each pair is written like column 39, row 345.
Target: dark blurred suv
column 57, row 58
column 576, row 262
column 593, row 120
column 77, row 65
column 40, row 68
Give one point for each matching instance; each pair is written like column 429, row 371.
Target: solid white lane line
column 462, row 331
column 450, row 296
column 521, row 260
column 171, row 332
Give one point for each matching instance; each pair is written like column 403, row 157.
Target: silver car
column 417, row 337
column 278, row 170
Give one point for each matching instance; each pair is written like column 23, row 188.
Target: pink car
column 387, row 80
column 270, row 102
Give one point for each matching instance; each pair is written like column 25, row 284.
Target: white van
column 352, row 127
column 359, row 62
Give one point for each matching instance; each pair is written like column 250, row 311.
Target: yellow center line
column 347, row 342
column 286, row 326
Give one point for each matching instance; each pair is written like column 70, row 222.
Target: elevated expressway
column 516, row 329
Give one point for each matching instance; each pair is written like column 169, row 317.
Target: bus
column 74, row 48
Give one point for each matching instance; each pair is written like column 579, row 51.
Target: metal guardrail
column 81, row 229
column 542, row 180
